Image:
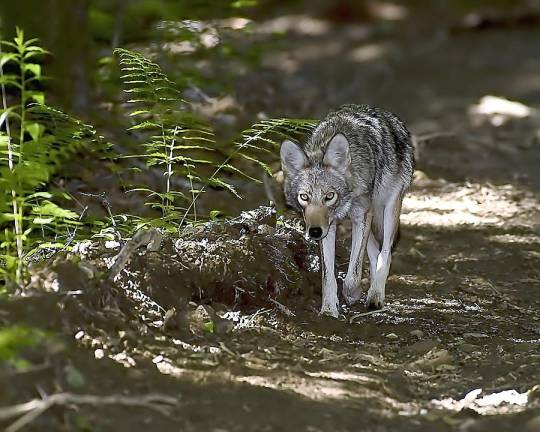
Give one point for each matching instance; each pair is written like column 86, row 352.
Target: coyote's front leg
column 361, row 225
column 329, row 283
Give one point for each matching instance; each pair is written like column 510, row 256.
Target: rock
column 202, row 264
column 392, row 336
column 417, row 333
column 422, row 347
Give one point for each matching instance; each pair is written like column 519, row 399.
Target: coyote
column 357, row 163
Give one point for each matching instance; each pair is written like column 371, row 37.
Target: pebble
column 392, row 336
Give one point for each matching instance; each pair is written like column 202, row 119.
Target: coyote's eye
column 304, row 197
column 330, row 196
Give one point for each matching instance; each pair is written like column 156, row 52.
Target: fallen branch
column 34, row 408
column 351, row 320
column 150, row 238
column 284, row 309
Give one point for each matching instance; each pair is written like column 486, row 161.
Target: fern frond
column 177, row 141
column 142, row 76
column 264, row 138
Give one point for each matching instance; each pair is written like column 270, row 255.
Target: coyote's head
column 316, row 183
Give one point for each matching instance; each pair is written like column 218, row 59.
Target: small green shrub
column 35, row 140
column 16, row 338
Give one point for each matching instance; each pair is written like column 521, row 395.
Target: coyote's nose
column 315, row 233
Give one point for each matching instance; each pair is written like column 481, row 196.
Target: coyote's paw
column 375, row 299
column 330, row 308
column 351, row 291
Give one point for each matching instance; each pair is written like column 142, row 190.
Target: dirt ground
column 462, row 308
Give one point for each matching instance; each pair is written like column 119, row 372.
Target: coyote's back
column 380, row 144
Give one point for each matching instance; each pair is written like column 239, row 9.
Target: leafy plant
column 34, row 142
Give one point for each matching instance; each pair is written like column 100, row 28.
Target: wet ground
column 463, row 298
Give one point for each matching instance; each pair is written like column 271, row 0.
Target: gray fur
column 365, row 156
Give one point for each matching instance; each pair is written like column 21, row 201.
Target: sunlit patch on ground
column 503, row 402
column 446, row 204
column 443, row 305
column 356, row 389
column 514, row 238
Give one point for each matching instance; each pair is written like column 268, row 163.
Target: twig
column 432, row 136
column 34, row 408
column 107, row 205
column 366, row 314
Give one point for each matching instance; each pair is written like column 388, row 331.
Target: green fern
column 173, row 138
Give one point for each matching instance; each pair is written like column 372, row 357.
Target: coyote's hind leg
column 361, row 224
column 392, row 210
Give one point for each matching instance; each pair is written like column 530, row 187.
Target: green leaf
column 216, row 215
column 46, row 195
column 42, row 221
column 37, row 96
column 4, row 116
column 10, row 80
column 139, row 112
column 35, row 130
column 48, row 208
column 145, row 125
column 209, row 326
column 51, row 245
column 7, row 57
column 34, row 68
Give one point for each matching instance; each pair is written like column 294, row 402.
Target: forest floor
column 456, row 346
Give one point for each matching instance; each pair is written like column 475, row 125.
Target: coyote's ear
column 337, row 153
column 293, row 157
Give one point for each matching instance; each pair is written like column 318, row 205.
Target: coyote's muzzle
column 316, row 219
